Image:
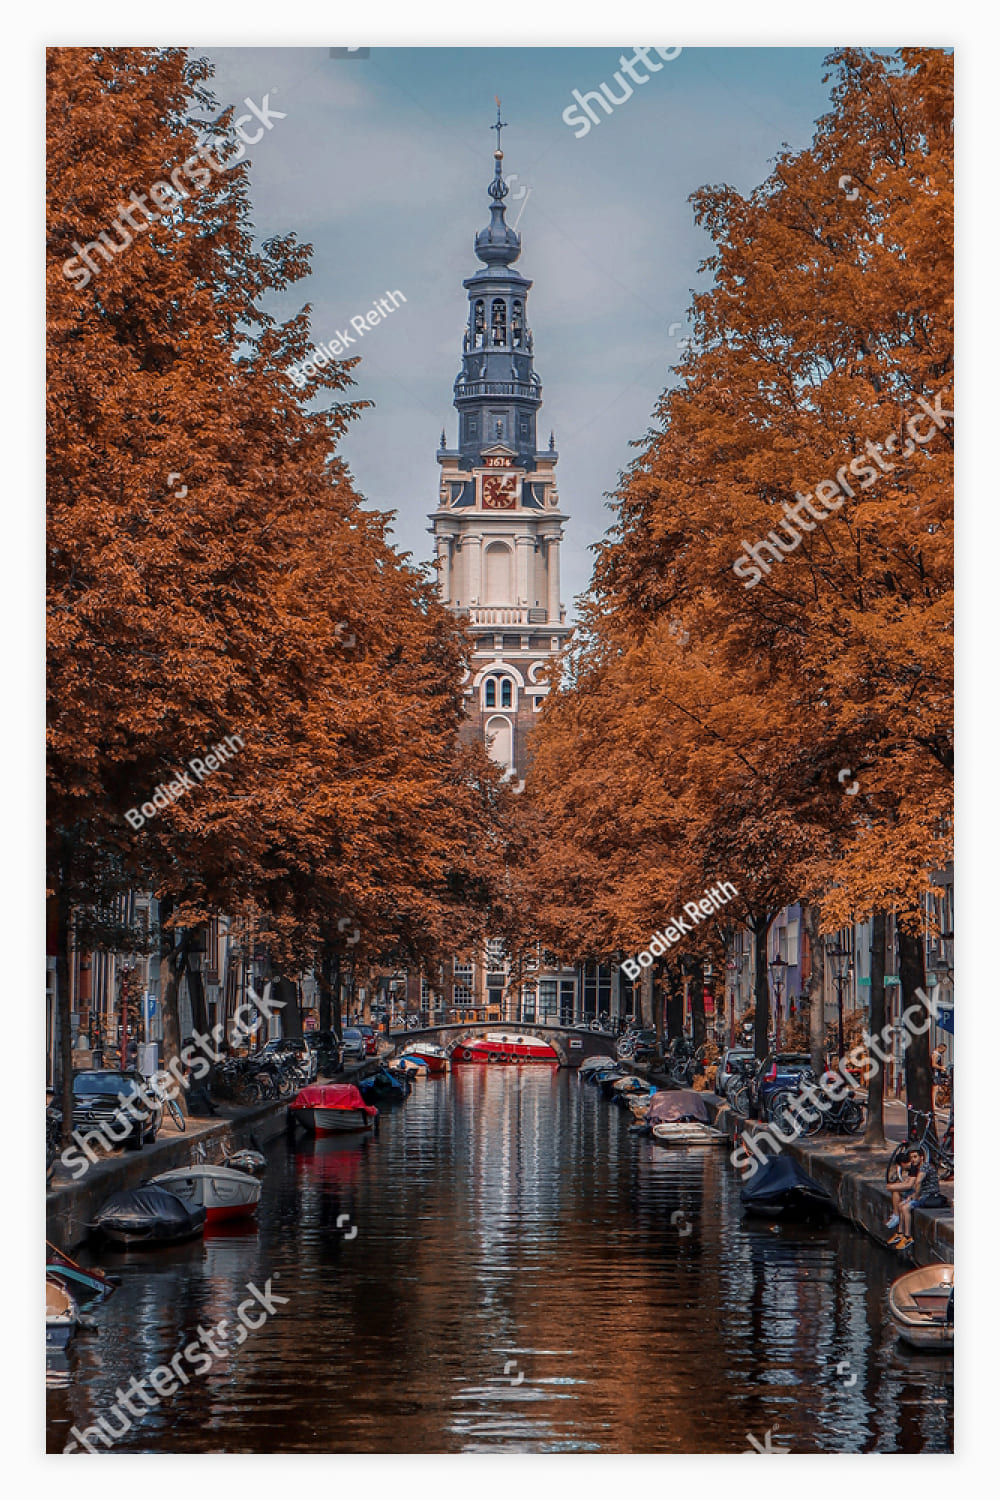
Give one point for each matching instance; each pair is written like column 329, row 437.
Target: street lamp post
column 777, row 967
column 842, row 964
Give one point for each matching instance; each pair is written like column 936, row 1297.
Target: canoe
column 922, row 1307
column 61, row 1313
column 222, row 1192
column 86, row 1282
column 331, row 1108
column 688, row 1133
column 504, row 1047
column 148, row 1215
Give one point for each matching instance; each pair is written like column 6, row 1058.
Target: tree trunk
column 291, row 1016
column 63, row 999
column 173, row 962
column 762, row 995
column 918, row 1050
column 656, row 980
column 338, row 1016
column 675, row 1002
column 875, row 1131
column 817, row 975
column 196, row 994
column 698, row 1008
column 324, row 978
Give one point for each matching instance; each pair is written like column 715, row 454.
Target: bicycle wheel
column 901, row 1153
column 852, row 1117
column 176, row 1114
column 740, row 1099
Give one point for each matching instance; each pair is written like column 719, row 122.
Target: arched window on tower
column 479, row 324
column 506, row 693
column 491, row 692
column 498, row 321
column 517, row 325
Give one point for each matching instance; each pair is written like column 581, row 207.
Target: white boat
column 631, row 1084
column 332, row 1108
column 688, row 1133
column 590, row 1064
column 922, row 1307
column 434, row 1059
column 413, row 1066
column 61, row 1313
column 221, row 1191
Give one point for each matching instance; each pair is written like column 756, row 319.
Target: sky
column 382, row 163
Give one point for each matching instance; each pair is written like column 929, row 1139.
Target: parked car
column 326, row 1049
column 645, row 1046
column 354, row 1045
column 98, row 1096
column 279, row 1048
column 727, row 1069
column 779, row 1070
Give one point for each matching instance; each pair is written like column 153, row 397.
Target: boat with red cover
column 330, row 1108
column 504, row 1047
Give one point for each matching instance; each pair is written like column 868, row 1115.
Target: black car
column 779, row 1070
column 99, row 1099
column 326, row 1048
column 645, row 1046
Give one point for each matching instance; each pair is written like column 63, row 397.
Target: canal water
column 503, row 1268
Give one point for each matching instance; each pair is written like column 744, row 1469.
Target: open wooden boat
column 61, row 1313
column 922, row 1307
column 86, row 1282
column 331, row 1108
column 504, row 1047
column 688, row 1133
column 222, row 1192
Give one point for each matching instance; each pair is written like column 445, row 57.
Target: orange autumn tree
column 825, row 333
column 212, row 573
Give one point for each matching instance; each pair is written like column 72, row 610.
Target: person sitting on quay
column 918, row 1188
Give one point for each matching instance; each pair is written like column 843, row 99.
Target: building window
column 517, row 325
column 478, row 324
column 506, row 693
column 527, row 1002
column 537, row 704
column 491, row 692
column 498, row 321
column 462, row 994
column 548, row 999
column 494, row 947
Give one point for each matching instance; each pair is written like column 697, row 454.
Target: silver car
column 727, row 1067
column 354, row 1045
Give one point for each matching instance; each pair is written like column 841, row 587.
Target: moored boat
column 632, row 1084
column 922, row 1307
column 247, row 1161
column 86, row 1282
column 61, row 1313
column 331, row 1108
column 434, row 1059
column 781, row 1190
column 504, row 1047
column 148, row 1215
column 595, row 1064
column 412, row 1067
column 222, row 1192
column 680, row 1117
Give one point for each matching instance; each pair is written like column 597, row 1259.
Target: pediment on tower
column 498, row 451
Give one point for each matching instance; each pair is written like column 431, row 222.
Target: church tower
column 498, row 526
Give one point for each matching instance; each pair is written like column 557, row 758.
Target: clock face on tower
column 499, row 491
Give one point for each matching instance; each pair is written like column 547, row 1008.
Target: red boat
column 435, row 1059
column 504, row 1047
column 331, row 1108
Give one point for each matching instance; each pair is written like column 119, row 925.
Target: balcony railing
column 519, row 388
column 500, row 616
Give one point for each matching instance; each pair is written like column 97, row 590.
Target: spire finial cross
column 500, row 124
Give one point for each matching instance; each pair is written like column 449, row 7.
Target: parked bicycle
column 924, row 1138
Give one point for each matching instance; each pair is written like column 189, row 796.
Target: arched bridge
column 570, row 1043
